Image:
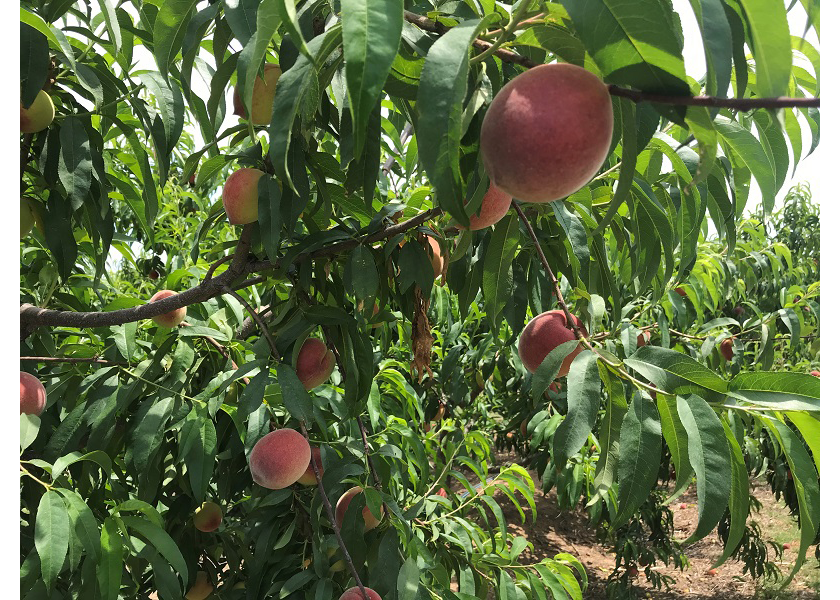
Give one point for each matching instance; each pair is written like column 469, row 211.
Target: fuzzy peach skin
column 315, row 363
column 308, row 478
column 494, row 206
column 201, row 589
column 208, row 517
column 547, row 132
column 543, row 334
column 355, row 593
column 727, row 349
column 39, row 115
column 344, row 502
column 33, row 395
column 262, row 98
column 240, row 195
column 170, row 319
column 279, row 459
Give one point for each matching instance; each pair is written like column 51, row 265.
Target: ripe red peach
column 172, row 318
column 308, row 478
column 344, row 502
column 262, row 99
column 279, row 459
column 201, row 589
column 240, row 195
column 547, row 132
column 354, row 593
column 315, row 363
column 208, row 517
column 33, row 395
column 680, row 291
column 726, row 349
column 494, row 206
column 39, row 115
column 542, row 335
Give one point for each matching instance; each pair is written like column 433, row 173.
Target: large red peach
column 344, row 502
column 172, row 318
column 262, row 99
column 201, row 589
column 726, row 349
column 308, row 478
column 279, row 459
column 39, row 115
column 240, row 195
column 542, row 335
column 33, row 395
column 355, row 593
column 494, row 206
column 547, row 132
column 208, row 517
column 315, row 363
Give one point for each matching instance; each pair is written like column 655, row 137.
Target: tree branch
column 389, row 162
column 739, row 104
column 263, row 327
column 72, row 360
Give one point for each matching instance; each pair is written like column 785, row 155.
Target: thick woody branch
column 739, row 104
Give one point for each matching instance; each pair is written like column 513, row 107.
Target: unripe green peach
column 201, row 589
column 315, row 363
column 279, row 459
column 172, row 318
column 39, row 115
column 355, row 593
column 33, row 395
column 308, row 478
column 240, row 195
column 262, row 99
column 27, row 217
column 208, row 517
column 494, row 206
column 547, row 132
column 543, row 334
column 344, row 502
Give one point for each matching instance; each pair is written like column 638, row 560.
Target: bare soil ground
column 561, row 531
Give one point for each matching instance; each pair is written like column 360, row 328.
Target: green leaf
column 497, row 280
column 610, row 430
column 97, row 456
column 637, row 47
column 364, row 277
column 52, row 536
column 408, row 582
column 295, row 397
column 289, row 15
column 169, row 30
column 440, row 97
column 677, row 440
column 111, row 23
column 673, row 371
column 110, row 567
column 777, row 390
column 640, row 446
column 749, row 150
column 577, row 239
column 253, row 54
column 717, row 44
column 198, row 447
column 708, row 451
column 739, row 497
column 809, row 427
column 29, row 427
column 584, row 399
column 629, row 153
column 83, row 522
column 34, row 63
column 74, row 163
column 548, row 369
column 270, row 215
column 161, row 541
column 371, row 31
column 769, row 41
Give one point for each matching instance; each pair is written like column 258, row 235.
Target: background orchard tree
column 278, row 260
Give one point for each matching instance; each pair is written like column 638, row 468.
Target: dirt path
column 560, row 531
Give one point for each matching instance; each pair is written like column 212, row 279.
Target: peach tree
column 265, row 244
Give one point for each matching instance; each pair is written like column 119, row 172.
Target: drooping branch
column 739, row 104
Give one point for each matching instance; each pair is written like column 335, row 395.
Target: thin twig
column 258, row 320
column 331, row 517
column 73, row 360
column 389, row 162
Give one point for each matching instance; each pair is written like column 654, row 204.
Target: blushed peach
column 33, row 395
column 240, row 195
column 543, row 334
column 262, row 98
column 435, row 254
column 547, row 132
column 39, row 115
column 643, row 339
column 315, row 363
column 172, row 318
column 208, row 517
column 726, row 348
column 279, row 459
column 201, row 589
column 308, row 478
column 355, row 593
column 344, row 502
column 494, row 206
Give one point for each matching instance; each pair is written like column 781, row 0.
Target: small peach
column 172, row 318
column 33, row 395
